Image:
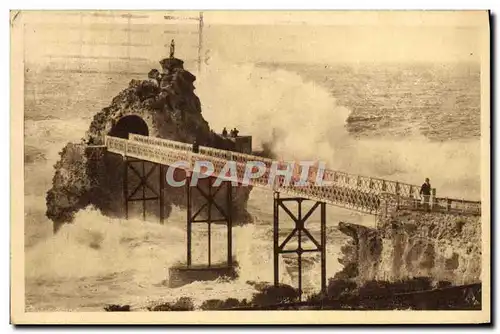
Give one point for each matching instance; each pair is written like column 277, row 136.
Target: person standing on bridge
column 425, row 192
column 196, row 146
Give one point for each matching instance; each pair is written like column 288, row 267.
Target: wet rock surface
column 182, row 304
column 163, row 105
column 413, row 260
column 414, row 244
column 117, row 308
column 267, row 296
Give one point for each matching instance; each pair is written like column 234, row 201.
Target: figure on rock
column 234, row 132
column 224, row 132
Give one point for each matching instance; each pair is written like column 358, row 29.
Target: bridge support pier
column 184, row 274
column 210, row 202
column 299, row 230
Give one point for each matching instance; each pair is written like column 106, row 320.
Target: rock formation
column 164, row 106
column 440, row 246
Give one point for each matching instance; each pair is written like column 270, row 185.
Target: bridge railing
column 171, row 144
column 347, row 190
column 458, row 205
column 391, row 203
column 116, row 145
column 340, row 179
column 145, row 151
column 368, row 184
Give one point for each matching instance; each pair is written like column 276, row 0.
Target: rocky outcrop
column 442, row 247
column 166, row 103
column 72, row 187
column 163, row 105
column 413, row 260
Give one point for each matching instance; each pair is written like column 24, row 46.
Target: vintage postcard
column 250, row 167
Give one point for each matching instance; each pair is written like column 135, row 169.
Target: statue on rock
column 172, row 49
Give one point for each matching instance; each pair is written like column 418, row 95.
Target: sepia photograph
column 250, row 167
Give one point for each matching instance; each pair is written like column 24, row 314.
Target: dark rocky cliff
column 165, row 106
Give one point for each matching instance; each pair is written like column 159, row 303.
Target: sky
column 307, row 36
column 325, row 44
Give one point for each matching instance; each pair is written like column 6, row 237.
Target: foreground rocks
column 415, row 294
column 182, row 304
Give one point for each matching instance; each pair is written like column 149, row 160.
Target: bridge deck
column 354, row 192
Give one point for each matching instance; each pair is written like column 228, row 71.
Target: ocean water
column 397, row 121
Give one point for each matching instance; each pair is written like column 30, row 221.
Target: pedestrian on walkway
column 425, row 193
